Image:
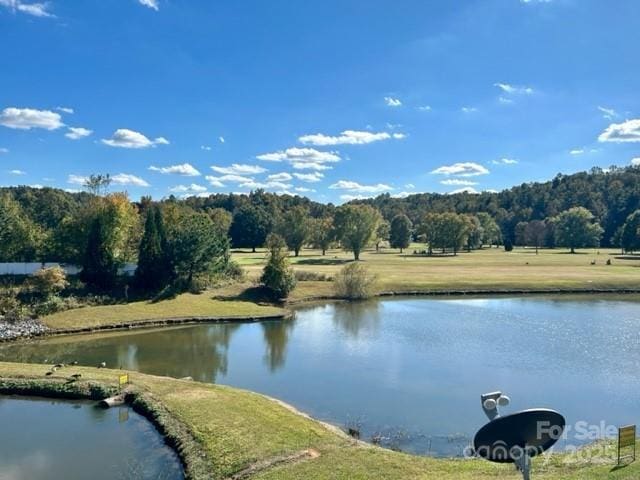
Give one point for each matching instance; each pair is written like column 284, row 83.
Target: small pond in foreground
column 409, row 369
column 75, row 440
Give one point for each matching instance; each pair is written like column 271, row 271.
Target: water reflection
column 407, row 370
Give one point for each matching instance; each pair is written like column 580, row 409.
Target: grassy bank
column 223, row 432
column 183, row 307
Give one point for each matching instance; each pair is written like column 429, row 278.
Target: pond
column 75, row 440
column 408, row 371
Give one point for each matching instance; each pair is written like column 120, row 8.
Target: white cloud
column 514, row 89
column 238, row 169
column 464, row 190
column 128, row 179
column 280, row 177
column 403, row 194
column 28, row 118
column 310, row 166
column 628, row 131
column 76, row 133
column 348, row 137
column 531, row 2
column 215, row 181
column 193, row 188
column 270, row 185
column 425, row 108
column 635, row 162
column 205, row 147
column 150, row 3
column 352, row 186
column 469, row 109
column 392, row 102
column 458, row 182
column 505, row 100
column 309, row 177
column 348, row 197
column 462, row 169
column 608, row 113
column 185, row 169
column 505, row 161
column 77, row 179
column 34, row 9
column 65, row 109
column 304, row 189
column 4, row 150
column 125, row 138
column 300, row 155
column 17, row 172
column 577, row 151
column 410, row 186
column 221, row 139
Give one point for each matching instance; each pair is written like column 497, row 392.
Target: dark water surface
column 49, row 439
column 410, row 370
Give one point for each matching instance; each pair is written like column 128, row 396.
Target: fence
column 29, row 268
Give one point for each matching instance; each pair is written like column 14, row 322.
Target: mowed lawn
column 244, row 435
column 186, row 305
column 485, row 270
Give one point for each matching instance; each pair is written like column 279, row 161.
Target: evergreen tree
column 277, row 275
column 295, row 228
column 154, row 264
column 250, row 227
column 99, row 268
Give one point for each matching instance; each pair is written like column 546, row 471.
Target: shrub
column 11, row 308
column 508, row 246
column 277, row 276
column 307, row 276
column 48, row 281
column 355, row 282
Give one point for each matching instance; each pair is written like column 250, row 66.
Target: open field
column 183, row 306
column 490, row 270
column 239, row 434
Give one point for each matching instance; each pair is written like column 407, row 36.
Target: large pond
column 408, row 370
column 44, row 439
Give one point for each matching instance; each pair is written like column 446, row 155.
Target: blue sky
column 333, row 99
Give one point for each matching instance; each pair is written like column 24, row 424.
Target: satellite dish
column 518, row 437
column 503, row 439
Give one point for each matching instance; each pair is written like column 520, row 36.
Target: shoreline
column 289, row 308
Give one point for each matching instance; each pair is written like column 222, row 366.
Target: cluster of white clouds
column 349, row 137
column 28, row 118
column 462, row 169
column 124, row 179
column 125, row 138
column 153, row 4
column 36, row 9
column 628, row 131
column 184, row 169
column 392, row 102
column 505, row 161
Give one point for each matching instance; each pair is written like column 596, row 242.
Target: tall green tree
column 277, row 275
column 99, row 266
column 535, row 233
column 382, row 233
column 250, row 226
column 491, row 234
column 432, row 228
column 197, row 247
column 355, row 226
column 294, row 228
column 155, row 269
column 630, row 233
column 576, row 228
column 400, row 232
column 323, row 233
column 21, row 239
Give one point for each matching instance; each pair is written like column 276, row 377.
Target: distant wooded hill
column 611, row 195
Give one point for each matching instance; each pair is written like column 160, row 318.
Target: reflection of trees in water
column 199, row 352
column 356, row 317
column 276, row 337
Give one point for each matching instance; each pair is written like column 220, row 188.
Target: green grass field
column 488, row 270
column 183, row 306
column 239, row 434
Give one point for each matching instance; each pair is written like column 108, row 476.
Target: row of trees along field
column 53, row 225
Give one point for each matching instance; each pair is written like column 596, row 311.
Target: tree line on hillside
column 104, row 230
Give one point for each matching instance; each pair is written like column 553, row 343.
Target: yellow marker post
column 627, row 439
column 123, row 380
